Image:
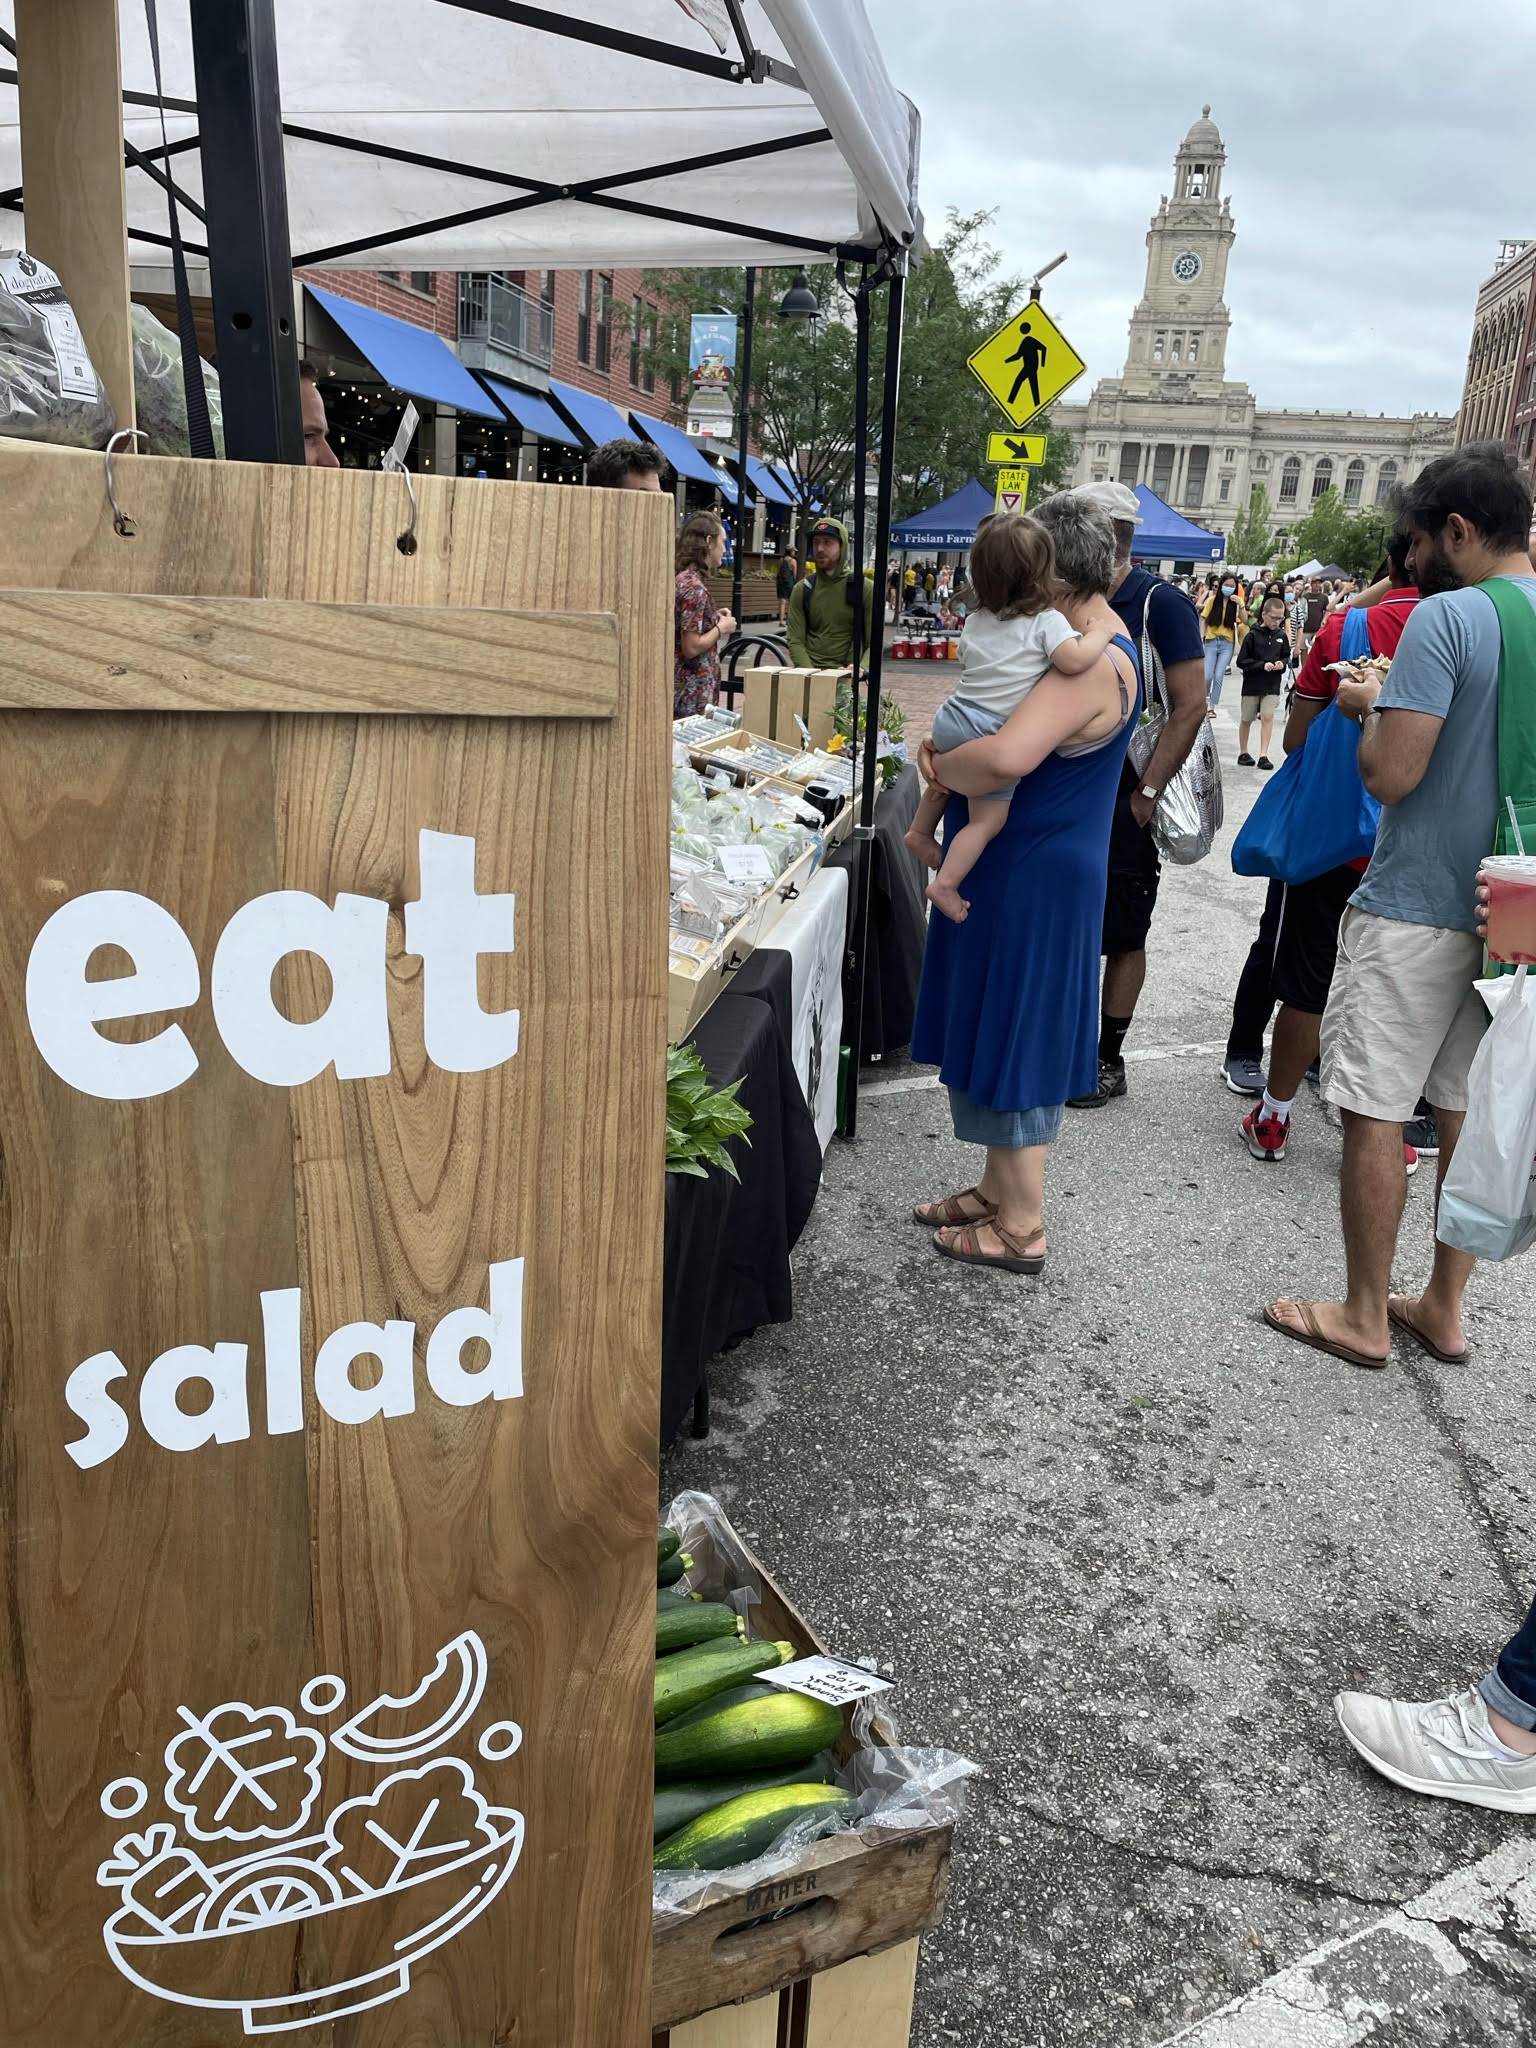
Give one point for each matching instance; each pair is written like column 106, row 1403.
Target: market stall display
column 791, row 703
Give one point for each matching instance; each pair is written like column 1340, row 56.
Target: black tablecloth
column 898, row 922
column 728, row 1242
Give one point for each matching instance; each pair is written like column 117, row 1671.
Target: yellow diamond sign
column 1016, row 448
column 1027, row 364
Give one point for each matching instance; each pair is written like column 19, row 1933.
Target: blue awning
column 725, row 484
column 684, row 455
column 596, row 418
column 767, row 483
column 786, row 477
column 410, row 359
column 533, row 413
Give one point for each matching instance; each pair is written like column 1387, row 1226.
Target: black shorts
column 1308, row 944
column 1134, row 873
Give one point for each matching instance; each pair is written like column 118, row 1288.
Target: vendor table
column 898, row 922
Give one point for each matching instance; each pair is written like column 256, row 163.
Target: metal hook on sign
column 407, row 542
column 122, row 525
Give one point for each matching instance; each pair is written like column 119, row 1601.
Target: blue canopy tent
column 1166, row 536
column 949, row 524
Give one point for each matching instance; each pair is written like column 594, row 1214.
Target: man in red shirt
column 1293, row 957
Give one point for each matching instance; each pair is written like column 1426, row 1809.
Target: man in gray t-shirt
column 1403, row 1017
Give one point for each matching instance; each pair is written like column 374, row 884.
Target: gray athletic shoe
column 1243, row 1077
column 1439, row 1747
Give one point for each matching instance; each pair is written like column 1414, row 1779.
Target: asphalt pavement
column 1121, row 1545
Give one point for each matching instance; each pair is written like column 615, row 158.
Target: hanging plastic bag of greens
column 49, row 389
column 160, row 392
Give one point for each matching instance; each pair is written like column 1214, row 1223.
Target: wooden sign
column 331, row 1117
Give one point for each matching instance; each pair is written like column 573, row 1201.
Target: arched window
column 1386, row 482
column 1354, row 481
column 1159, row 347
column 1177, row 351
column 1194, row 349
column 1322, row 477
column 1290, row 480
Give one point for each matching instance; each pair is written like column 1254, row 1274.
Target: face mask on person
column 1229, row 590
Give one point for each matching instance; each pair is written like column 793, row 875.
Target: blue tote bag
column 1316, row 814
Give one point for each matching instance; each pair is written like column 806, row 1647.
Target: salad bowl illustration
column 423, row 1850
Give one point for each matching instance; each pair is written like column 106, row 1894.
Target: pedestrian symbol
column 1027, row 364
column 1016, row 448
column 1012, row 490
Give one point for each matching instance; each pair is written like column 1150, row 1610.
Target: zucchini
column 669, row 1573
column 666, row 1544
column 691, row 1677
column 666, row 1597
column 766, row 1730
column 747, row 1825
column 695, row 1621
column 676, row 1805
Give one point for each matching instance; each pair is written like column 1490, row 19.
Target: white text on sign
column 448, row 927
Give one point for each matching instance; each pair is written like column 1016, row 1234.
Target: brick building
column 1498, row 400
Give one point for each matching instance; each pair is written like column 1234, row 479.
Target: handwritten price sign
column 829, row 1679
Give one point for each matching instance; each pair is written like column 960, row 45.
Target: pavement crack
column 1159, row 1859
column 1424, row 1385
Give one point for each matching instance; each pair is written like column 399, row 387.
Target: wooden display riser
column 868, row 2000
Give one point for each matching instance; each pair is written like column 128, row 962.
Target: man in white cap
column 1146, row 605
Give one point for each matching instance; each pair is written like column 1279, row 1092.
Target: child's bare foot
column 926, row 847
column 946, row 897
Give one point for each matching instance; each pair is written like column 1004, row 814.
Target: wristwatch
column 1151, row 794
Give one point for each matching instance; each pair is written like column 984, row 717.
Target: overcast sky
column 1376, row 156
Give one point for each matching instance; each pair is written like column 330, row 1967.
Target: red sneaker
column 1265, row 1136
column 1410, row 1160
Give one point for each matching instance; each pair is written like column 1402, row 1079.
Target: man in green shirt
column 820, row 624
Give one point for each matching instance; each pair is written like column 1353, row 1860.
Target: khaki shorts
column 1260, row 707
column 1403, row 1019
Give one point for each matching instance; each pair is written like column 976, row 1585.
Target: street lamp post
column 743, row 428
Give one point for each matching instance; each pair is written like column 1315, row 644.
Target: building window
column 584, row 318
column 1101, row 476
column 1194, row 349
column 1322, row 478
column 648, row 367
column 1103, row 447
column 1261, row 465
column 604, row 319
column 1354, row 481
column 1162, row 468
column 415, row 280
column 1130, row 462
column 1226, row 489
column 1386, row 482
column 1290, row 480
column 1159, row 347
column 1197, row 182
column 1195, row 474
column 1176, row 353
column 1229, row 455
column 636, row 315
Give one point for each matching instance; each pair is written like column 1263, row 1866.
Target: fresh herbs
column 701, row 1118
column 893, row 726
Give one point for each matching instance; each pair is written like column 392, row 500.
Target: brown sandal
column 967, row 1247
column 946, row 1213
column 1400, row 1319
column 1311, row 1333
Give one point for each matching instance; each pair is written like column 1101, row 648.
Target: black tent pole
column 884, row 492
column 744, row 428
column 245, row 194
column 860, row 653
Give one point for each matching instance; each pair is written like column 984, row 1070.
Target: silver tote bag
column 1190, row 810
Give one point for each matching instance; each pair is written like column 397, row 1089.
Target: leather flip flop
column 1400, row 1320
column 1312, row 1335
column 967, row 1248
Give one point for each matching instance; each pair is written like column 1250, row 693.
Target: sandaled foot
column 1404, row 1312
column 926, row 847
column 944, row 896
column 1301, row 1321
column 988, row 1244
column 969, row 1206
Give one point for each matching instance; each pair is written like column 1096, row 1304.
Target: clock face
column 1187, row 268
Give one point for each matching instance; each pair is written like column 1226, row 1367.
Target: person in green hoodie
column 820, row 623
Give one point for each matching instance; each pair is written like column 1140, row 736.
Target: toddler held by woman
column 1010, row 641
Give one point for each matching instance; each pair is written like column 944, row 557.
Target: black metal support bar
column 743, row 432
column 885, row 489
column 245, row 192
column 605, row 38
column 861, row 311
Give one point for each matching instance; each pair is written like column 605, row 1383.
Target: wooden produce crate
column 823, row 1957
column 773, row 697
column 726, row 752
column 690, row 995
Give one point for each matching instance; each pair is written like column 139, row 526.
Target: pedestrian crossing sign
column 1012, row 490
column 1027, row 364
column 1016, row 448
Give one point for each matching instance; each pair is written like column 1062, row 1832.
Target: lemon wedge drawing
column 392, row 1731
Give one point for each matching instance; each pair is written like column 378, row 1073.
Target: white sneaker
column 1440, row 1747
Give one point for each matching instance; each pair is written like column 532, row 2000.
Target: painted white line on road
column 913, row 1084
column 1346, row 1991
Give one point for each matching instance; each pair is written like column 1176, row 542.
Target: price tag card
column 804, row 731
column 827, row 1678
column 888, row 749
column 745, row 864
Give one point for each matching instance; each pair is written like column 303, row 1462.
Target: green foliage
column 1357, row 541
column 1253, row 537
column 1055, row 473
column 701, row 1119
column 893, row 723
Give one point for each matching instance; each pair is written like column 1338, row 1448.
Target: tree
column 1356, row 541
column 1253, row 537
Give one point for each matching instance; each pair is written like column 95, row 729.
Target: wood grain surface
column 867, row 2001
column 738, row 2026
column 80, row 651
column 238, row 1571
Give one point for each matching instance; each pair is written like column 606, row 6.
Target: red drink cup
column 1511, row 880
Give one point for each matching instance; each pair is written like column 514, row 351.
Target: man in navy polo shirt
column 1144, row 603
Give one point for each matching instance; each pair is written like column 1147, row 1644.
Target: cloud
column 1376, row 157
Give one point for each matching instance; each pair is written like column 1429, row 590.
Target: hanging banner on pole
column 712, row 352
column 1027, row 364
column 1028, row 449
column 1012, row 490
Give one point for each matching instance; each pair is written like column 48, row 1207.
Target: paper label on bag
column 887, row 749
column 39, row 288
column 745, row 864
column 804, row 731
column 829, row 1679
column 410, row 419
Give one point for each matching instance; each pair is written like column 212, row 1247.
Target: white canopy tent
column 487, row 134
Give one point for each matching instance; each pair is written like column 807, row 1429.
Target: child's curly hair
column 1013, row 566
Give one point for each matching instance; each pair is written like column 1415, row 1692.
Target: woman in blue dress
column 1008, row 1007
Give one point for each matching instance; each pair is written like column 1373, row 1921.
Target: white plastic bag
column 1488, row 1203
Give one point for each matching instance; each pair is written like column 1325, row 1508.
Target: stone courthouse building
column 1174, row 420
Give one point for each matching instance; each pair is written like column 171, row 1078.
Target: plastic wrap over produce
column 49, row 389
column 898, row 1786
column 160, row 392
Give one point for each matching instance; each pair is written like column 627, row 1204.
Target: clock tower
column 1178, row 344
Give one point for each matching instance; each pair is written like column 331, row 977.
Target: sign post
column 1027, row 364
column 332, row 1119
